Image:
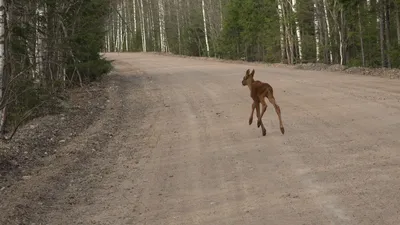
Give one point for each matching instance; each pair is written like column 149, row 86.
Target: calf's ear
column 252, row 73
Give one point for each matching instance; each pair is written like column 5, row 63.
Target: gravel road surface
column 184, row 152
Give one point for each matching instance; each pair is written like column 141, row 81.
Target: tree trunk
column 397, row 23
column 316, row 30
column 328, row 30
column 161, row 18
column 288, row 36
column 205, row 28
column 382, row 33
column 281, row 31
column 221, row 13
column 134, row 18
column 178, row 21
column 298, row 34
column 387, row 35
column 341, row 36
column 361, row 37
column 38, row 43
column 143, row 27
column 125, row 24
column 151, row 27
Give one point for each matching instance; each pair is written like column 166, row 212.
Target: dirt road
column 183, row 152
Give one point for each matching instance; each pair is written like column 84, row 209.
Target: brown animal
column 258, row 91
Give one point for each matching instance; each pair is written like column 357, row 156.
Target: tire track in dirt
column 185, row 154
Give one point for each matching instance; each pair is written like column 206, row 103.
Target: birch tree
column 178, row 23
column 316, row 31
column 328, row 29
column 143, row 26
column 205, row 27
column 362, row 33
column 281, row 31
column 46, row 48
column 298, row 34
column 161, row 18
column 134, row 17
column 338, row 18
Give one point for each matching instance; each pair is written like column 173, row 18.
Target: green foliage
column 71, row 40
column 230, row 42
column 90, row 70
column 87, row 39
column 395, row 56
column 193, row 41
column 249, row 30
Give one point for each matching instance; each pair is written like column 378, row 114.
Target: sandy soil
column 173, row 146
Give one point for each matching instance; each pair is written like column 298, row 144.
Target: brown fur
column 258, row 92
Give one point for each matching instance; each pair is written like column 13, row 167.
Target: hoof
column 250, row 121
column 264, row 132
column 258, row 123
column 282, row 130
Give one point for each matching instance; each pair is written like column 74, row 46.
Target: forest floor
column 166, row 140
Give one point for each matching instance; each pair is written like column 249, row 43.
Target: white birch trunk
column 340, row 26
column 298, row 34
column 38, row 44
column 134, row 18
column 125, row 24
column 361, row 36
column 397, row 24
column 221, row 14
column 316, row 29
column 288, row 36
column 378, row 21
column 119, row 41
column 121, row 30
column 161, row 18
column 178, row 21
column 341, row 38
column 143, row 29
column 328, row 29
column 112, row 32
column 205, row 28
column 151, row 27
column 281, row 31
column 117, row 33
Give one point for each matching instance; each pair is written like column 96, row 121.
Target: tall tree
column 347, row 32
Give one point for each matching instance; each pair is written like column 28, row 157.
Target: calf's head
column 248, row 77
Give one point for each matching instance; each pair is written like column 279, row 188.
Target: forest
column 346, row 32
column 48, row 46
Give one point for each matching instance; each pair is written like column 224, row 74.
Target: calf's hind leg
column 259, row 122
column 278, row 112
column 264, row 108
